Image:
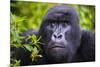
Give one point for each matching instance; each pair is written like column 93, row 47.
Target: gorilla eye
column 64, row 24
column 53, row 24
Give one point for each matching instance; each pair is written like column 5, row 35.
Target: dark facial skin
column 57, row 46
column 62, row 35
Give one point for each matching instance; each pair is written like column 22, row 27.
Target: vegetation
column 29, row 15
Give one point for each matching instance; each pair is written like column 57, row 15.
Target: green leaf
column 28, row 47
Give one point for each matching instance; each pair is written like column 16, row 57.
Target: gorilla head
column 61, row 34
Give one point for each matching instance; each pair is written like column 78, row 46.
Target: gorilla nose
column 57, row 36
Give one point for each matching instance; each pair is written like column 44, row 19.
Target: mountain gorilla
column 62, row 39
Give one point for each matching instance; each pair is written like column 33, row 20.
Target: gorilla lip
column 56, row 46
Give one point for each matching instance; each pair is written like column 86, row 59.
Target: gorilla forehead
column 61, row 12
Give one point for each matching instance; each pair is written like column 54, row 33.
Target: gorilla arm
column 86, row 51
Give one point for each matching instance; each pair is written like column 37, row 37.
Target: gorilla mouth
column 56, row 46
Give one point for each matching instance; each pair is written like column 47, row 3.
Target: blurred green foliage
column 27, row 15
column 87, row 16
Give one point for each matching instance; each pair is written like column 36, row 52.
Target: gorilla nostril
column 60, row 36
column 55, row 36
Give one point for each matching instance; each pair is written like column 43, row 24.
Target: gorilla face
column 60, row 33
